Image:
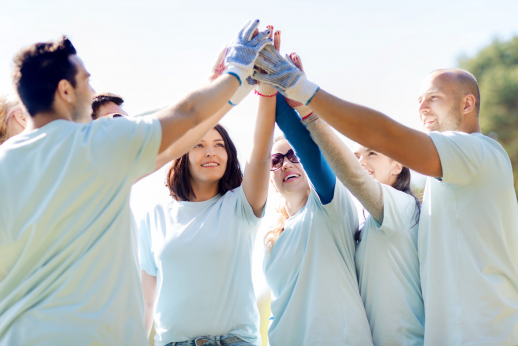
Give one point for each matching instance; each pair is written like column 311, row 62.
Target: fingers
column 270, row 27
column 219, row 66
column 277, row 40
column 296, row 60
column 249, row 29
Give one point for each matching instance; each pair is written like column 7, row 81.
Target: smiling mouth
column 290, row 177
column 209, row 165
column 429, row 122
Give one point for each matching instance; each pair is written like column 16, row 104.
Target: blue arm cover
column 311, row 158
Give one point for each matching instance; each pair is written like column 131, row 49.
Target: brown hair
column 38, row 69
column 178, row 176
column 282, row 215
column 102, row 99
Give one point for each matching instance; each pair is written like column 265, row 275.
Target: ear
column 396, row 169
column 21, row 118
column 64, row 91
column 468, row 104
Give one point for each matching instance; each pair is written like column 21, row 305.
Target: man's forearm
column 193, row 110
column 378, row 132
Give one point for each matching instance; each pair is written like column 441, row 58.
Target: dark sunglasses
column 278, row 159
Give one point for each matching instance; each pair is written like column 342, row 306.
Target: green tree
column 496, row 70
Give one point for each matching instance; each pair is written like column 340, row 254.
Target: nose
column 286, row 163
column 362, row 160
column 210, row 151
column 424, row 107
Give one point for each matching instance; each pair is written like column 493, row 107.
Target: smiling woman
column 211, row 167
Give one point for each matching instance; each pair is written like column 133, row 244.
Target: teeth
column 291, row 176
column 210, row 165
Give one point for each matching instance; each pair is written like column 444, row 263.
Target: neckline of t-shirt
column 198, row 204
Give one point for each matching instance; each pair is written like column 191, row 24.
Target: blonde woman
column 309, row 264
column 12, row 117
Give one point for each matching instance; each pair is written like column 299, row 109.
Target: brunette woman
column 196, row 251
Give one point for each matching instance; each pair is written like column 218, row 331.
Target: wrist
column 239, row 72
column 303, row 91
column 265, row 90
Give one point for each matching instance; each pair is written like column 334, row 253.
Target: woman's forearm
column 347, row 167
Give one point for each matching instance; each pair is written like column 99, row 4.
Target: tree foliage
column 496, row 70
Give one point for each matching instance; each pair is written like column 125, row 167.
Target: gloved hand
column 284, row 76
column 303, row 110
column 265, row 89
column 244, row 89
column 244, row 50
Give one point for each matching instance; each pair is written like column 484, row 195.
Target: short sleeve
column 146, row 256
column 461, row 156
column 399, row 211
column 342, row 207
column 128, row 145
column 244, row 209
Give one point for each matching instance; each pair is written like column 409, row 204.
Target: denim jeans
column 220, row 340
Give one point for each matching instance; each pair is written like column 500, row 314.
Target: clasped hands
column 257, row 64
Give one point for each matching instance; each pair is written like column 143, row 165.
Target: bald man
column 468, row 233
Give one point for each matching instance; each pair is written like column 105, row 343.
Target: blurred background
column 375, row 53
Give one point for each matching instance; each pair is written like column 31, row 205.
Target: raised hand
column 265, row 89
column 284, row 75
column 244, row 50
column 303, row 110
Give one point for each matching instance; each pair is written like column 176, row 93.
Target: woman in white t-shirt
column 309, row 262
column 196, row 251
column 386, row 257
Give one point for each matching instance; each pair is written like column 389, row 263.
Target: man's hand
column 244, row 50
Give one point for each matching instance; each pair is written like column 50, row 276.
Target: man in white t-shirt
column 468, row 233
column 69, row 272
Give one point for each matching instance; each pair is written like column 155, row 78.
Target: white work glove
column 303, row 110
column 282, row 74
column 244, row 50
column 244, row 89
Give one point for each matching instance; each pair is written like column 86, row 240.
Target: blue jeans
column 220, row 340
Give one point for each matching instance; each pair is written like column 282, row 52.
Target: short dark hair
column 178, row 176
column 38, row 69
column 102, row 99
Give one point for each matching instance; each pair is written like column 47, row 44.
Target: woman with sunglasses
column 309, row 264
column 196, row 250
column 386, row 256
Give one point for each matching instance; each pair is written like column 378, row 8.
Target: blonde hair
column 282, row 215
column 7, row 102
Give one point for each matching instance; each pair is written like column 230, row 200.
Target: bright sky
column 153, row 52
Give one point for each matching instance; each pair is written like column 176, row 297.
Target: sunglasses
column 278, row 159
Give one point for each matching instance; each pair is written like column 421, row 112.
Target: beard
column 450, row 122
column 82, row 111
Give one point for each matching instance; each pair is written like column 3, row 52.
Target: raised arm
column 185, row 124
column 320, row 173
column 377, row 131
column 368, row 127
column 257, row 170
column 347, row 167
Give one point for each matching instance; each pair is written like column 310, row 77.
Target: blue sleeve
column 320, row 173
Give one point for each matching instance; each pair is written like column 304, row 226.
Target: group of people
column 441, row 273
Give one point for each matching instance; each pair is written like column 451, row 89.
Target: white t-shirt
column 68, row 262
column 387, row 264
column 201, row 254
column 468, row 244
column 312, row 275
